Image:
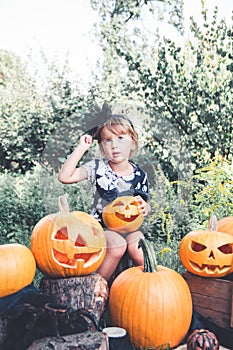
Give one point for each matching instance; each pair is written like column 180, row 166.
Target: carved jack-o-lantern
column 67, row 243
column 207, row 253
column 122, row 215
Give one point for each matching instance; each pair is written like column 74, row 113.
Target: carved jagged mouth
column 126, row 218
column 210, row 268
column 62, row 258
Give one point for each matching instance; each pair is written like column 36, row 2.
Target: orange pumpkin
column 207, row 253
column 153, row 303
column 226, row 225
column 122, row 215
column 17, row 268
column 68, row 243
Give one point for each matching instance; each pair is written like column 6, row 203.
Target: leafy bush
column 21, row 207
column 25, row 199
column 213, row 190
column 179, row 207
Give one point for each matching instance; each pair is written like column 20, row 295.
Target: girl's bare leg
column 116, row 247
column 134, row 252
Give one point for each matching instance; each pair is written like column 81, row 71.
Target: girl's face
column 116, row 146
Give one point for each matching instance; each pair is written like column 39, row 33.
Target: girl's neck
column 122, row 169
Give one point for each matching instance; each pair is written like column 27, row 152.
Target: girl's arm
column 69, row 172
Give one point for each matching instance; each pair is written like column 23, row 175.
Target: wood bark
column 82, row 341
column 85, row 292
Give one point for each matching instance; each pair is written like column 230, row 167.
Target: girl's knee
column 135, row 252
column 117, row 252
column 116, row 245
column 134, row 238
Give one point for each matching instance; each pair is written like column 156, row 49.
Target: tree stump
column 82, row 341
column 85, row 292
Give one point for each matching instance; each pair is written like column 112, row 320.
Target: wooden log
column 85, row 292
column 82, row 341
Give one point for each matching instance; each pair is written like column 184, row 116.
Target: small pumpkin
column 67, row 244
column 122, row 215
column 202, row 339
column 153, row 303
column 226, row 225
column 207, row 253
column 17, row 268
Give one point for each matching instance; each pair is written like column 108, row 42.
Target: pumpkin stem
column 150, row 261
column 63, row 204
column 213, row 223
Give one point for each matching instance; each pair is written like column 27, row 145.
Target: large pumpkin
column 68, row 243
column 153, row 303
column 226, row 225
column 207, row 253
column 17, row 268
column 122, row 215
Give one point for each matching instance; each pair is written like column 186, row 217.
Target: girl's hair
column 118, row 124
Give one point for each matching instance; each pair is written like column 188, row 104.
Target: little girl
column 113, row 176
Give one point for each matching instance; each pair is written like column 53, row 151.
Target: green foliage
column 191, row 90
column 180, row 207
column 25, row 199
column 192, row 97
column 21, row 207
column 123, row 34
column 213, row 190
column 30, row 115
column 185, row 89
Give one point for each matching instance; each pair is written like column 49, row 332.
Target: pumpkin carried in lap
column 122, row 215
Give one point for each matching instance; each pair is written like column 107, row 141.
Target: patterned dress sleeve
column 91, row 167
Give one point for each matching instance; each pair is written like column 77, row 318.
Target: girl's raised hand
column 86, row 141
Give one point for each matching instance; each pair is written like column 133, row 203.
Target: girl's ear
column 133, row 148
column 101, row 148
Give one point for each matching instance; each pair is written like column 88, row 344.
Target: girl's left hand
column 144, row 207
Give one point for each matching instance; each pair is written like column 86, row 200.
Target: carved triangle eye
column 80, row 241
column 226, row 249
column 62, row 233
column 197, row 247
column 118, row 204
